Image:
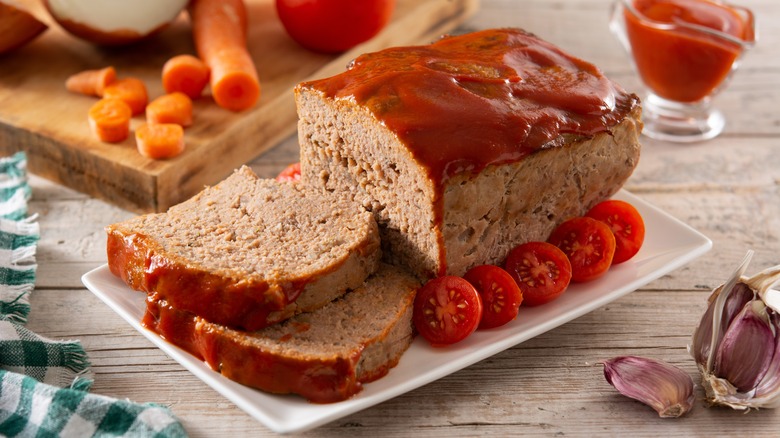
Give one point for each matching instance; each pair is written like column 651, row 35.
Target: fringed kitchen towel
column 44, row 382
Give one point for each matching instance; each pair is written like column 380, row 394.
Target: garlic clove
column 662, row 386
column 739, row 295
column 747, row 347
column 767, row 394
column 743, row 371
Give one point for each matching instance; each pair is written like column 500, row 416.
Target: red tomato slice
column 626, row 224
column 589, row 244
column 500, row 295
column 447, row 310
column 541, row 270
column 290, row 173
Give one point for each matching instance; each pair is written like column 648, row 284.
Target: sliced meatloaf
column 466, row 147
column 324, row 355
column 247, row 252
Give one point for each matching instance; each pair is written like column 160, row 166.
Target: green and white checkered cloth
column 44, row 382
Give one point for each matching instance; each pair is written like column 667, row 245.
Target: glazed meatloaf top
column 241, row 253
column 489, row 97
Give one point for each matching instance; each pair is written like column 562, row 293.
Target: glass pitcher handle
column 617, row 24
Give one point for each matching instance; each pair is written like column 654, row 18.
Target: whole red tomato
column 333, row 26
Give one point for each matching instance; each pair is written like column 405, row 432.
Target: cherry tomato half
column 589, row 244
column 447, row 310
column 290, row 173
column 626, row 224
column 541, row 270
column 333, row 26
column 500, row 295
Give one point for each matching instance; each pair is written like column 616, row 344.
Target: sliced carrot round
column 186, row 74
column 170, row 108
column 160, row 141
column 109, row 120
column 131, row 90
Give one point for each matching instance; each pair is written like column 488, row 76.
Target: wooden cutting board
column 39, row 116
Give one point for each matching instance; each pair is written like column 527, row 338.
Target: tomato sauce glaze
column 488, row 97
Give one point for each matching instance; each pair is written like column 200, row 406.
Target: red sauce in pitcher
column 684, row 49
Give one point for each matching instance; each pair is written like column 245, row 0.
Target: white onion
column 101, row 20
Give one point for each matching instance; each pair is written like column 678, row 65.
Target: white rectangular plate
column 669, row 244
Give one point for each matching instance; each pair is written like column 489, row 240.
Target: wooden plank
column 39, row 116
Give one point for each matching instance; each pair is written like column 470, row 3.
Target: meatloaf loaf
column 324, row 355
column 466, row 147
column 248, row 252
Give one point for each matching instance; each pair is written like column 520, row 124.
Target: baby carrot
column 91, row 82
column 159, row 141
column 219, row 29
column 187, row 74
column 109, row 120
column 130, row 90
column 170, row 108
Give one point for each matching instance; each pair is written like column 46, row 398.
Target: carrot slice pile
column 170, row 108
column 186, row 74
column 131, row 90
column 219, row 28
column 109, row 120
column 91, row 82
column 159, row 141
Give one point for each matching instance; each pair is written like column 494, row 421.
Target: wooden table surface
column 726, row 188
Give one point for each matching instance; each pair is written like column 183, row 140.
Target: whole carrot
column 175, row 108
column 219, row 29
column 91, row 82
column 186, row 74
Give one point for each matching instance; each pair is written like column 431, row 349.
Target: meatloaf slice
column 466, row 147
column 248, row 252
column 324, row 355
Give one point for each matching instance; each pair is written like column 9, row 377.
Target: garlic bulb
column 662, row 386
column 737, row 342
